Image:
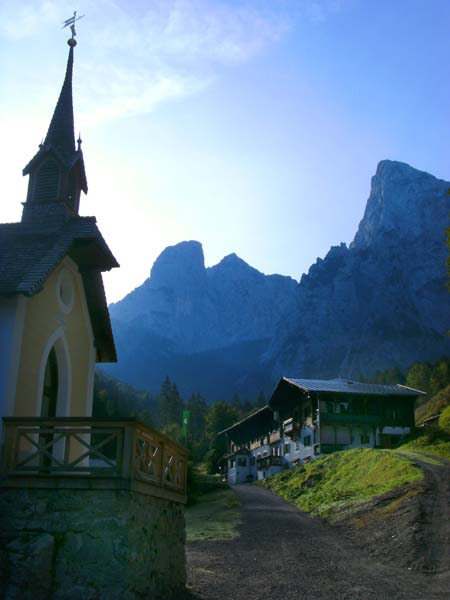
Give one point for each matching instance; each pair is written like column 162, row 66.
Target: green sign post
column 186, row 415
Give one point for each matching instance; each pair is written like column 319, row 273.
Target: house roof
column 30, row 252
column 245, row 451
column 262, row 412
column 348, row 386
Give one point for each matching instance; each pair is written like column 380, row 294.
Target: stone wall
column 90, row 544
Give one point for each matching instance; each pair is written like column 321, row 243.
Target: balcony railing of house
column 347, row 419
column 92, row 453
column 330, row 448
column 269, row 461
column 274, row 437
column 291, row 427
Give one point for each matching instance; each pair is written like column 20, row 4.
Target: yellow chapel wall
column 47, row 324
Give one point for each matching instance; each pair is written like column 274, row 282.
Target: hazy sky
column 251, row 126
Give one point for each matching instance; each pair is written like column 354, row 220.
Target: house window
column 373, row 408
column 365, row 438
column 307, row 440
column 287, row 448
column 242, row 462
column 232, row 463
column 252, row 461
column 343, row 436
column 330, row 407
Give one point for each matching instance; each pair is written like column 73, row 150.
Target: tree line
column 427, row 377
column 164, row 411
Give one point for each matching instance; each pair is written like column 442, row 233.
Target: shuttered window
column 47, row 182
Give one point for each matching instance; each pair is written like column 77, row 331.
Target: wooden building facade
column 308, row 418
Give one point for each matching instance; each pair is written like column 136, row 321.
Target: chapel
column 54, row 320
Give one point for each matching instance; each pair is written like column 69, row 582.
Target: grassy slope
column 342, row 480
column 433, row 406
column 429, row 444
column 214, row 516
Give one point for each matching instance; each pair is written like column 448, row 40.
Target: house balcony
column 349, row 419
column 291, row 427
column 330, row 448
column 275, row 436
column 90, row 453
column 268, row 461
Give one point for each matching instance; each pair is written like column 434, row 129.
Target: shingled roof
column 348, row 386
column 29, row 253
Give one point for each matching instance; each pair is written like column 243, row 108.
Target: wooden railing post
column 9, row 447
column 161, row 469
column 128, row 453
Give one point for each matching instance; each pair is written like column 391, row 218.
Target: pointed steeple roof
column 61, row 133
column 57, row 172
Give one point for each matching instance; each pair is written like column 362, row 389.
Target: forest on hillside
column 164, row 411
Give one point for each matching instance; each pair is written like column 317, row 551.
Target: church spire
column 61, row 133
column 57, row 174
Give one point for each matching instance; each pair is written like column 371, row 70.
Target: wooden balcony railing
column 350, row 419
column 269, row 461
column 291, row 427
column 274, row 437
column 92, row 453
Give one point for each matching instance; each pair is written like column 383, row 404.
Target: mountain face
column 205, row 328
column 380, row 303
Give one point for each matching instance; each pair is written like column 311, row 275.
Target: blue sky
column 251, row 126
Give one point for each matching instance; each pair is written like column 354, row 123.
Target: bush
column 444, row 420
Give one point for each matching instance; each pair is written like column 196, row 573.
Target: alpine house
column 308, row 418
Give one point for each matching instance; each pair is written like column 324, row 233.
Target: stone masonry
column 90, row 544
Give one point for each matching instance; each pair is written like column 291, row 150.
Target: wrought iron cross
column 71, row 23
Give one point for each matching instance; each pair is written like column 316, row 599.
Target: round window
column 65, row 291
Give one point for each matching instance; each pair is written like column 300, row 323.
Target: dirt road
column 283, row 553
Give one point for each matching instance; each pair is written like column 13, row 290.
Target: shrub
column 444, row 420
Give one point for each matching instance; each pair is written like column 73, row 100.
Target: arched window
column 50, row 389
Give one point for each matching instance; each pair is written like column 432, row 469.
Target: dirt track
column 284, row 553
column 435, row 512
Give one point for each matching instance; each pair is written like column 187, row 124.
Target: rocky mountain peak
column 403, row 203
column 233, row 267
column 179, row 266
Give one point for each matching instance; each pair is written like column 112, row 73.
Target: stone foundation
column 90, row 544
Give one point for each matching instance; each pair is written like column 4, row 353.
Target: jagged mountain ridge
column 379, row 303
column 199, row 308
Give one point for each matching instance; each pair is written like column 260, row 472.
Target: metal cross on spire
column 71, row 23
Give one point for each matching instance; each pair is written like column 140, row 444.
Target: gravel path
column 283, row 553
column 435, row 510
